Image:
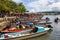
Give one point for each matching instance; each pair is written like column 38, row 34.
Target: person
column 47, row 19
column 49, row 26
column 56, row 20
column 19, row 26
column 17, row 19
column 27, row 26
column 34, row 30
column 30, row 24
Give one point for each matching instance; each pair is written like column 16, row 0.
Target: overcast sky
column 41, row 5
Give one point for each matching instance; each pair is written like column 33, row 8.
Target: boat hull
column 28, row 36
column 41, row 23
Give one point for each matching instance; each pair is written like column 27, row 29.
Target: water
column 53, row 35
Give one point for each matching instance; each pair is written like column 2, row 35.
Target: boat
column 24, row 34
column 45, row 18
column 44, row 22
column 11, row 30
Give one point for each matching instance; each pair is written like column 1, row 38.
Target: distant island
column 50, row 12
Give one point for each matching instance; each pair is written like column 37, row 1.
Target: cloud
column 45, row 5
column 41, row 5
column 57, row 4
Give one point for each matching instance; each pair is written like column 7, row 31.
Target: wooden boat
column 24, row 34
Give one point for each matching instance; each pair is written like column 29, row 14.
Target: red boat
column 15, row 30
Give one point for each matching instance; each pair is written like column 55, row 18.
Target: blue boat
column 24, row 34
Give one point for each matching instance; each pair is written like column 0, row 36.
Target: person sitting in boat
column 20, row 26
column 17, row 20
column 56, row 20
column 47, row 19
column 30, row 24
column 35, row 29
column 19, row 23
column 49, row 26
column 27, row 26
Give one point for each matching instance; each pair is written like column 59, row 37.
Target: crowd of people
column 29, row 24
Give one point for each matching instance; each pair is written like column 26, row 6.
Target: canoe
column 25, row 34
column 44, row 22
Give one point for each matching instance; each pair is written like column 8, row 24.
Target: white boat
column 24, row 35
column 44, row 22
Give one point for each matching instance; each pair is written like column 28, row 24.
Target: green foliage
column 11, row 6
column 21, row 7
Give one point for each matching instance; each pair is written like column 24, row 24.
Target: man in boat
column 34, row 30
column 17, row 20
column 49, row 26
column 30, row 24
column 56, row 20
column 47, row 19
column 19, row 24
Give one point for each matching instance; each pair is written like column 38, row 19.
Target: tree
column 11, row 6
column 21, row 8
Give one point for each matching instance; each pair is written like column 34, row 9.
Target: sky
column 40, row 5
